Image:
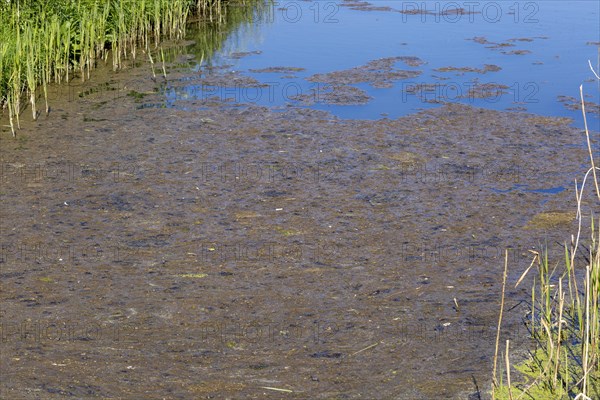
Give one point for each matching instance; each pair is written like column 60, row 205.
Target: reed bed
column 44, row 42
column 564, row 320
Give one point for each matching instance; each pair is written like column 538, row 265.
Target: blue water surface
column 326, row 36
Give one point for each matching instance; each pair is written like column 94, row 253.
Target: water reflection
column 525, row 56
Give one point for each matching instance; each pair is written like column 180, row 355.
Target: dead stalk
column 508, row 370
column 495, row 380
column 587, row 135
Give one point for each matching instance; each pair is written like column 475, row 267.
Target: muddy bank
column 219, row 250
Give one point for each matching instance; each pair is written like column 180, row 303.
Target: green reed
column 50, row 41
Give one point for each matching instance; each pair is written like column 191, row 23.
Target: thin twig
column 592, row 68
column 366, row 348
column 277, row 389
column 495, row 380
column 536, row 255
column 586, row 343
column 587, row 135
column 508, row 370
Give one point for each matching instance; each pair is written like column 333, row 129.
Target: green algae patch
column 287, row 232
column 530, row 386
column 552, row 219
column 192, row 275
column 406, row 157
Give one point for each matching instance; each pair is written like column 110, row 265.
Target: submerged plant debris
column 364, row 6
column 302, row 225
column 161, row 239
column 279, row 70
column 334, row 94
column 571, row 103
column 242, row 54
column 486, row 68
column 379, row 73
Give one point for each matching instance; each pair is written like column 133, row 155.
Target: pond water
column 541, row 48
column 300, row 209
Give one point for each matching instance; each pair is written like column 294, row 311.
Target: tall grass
column 45, row 41
column 565, row 317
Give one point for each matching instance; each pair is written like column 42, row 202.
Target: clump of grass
column 136, row 95
column 564, row 324
column 564, row 320
column 42, row 42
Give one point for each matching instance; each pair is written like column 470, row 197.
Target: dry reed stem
column 560, row 313
column 508, row 370
column 536, row 255
column 495, row 380
column 587, row 135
